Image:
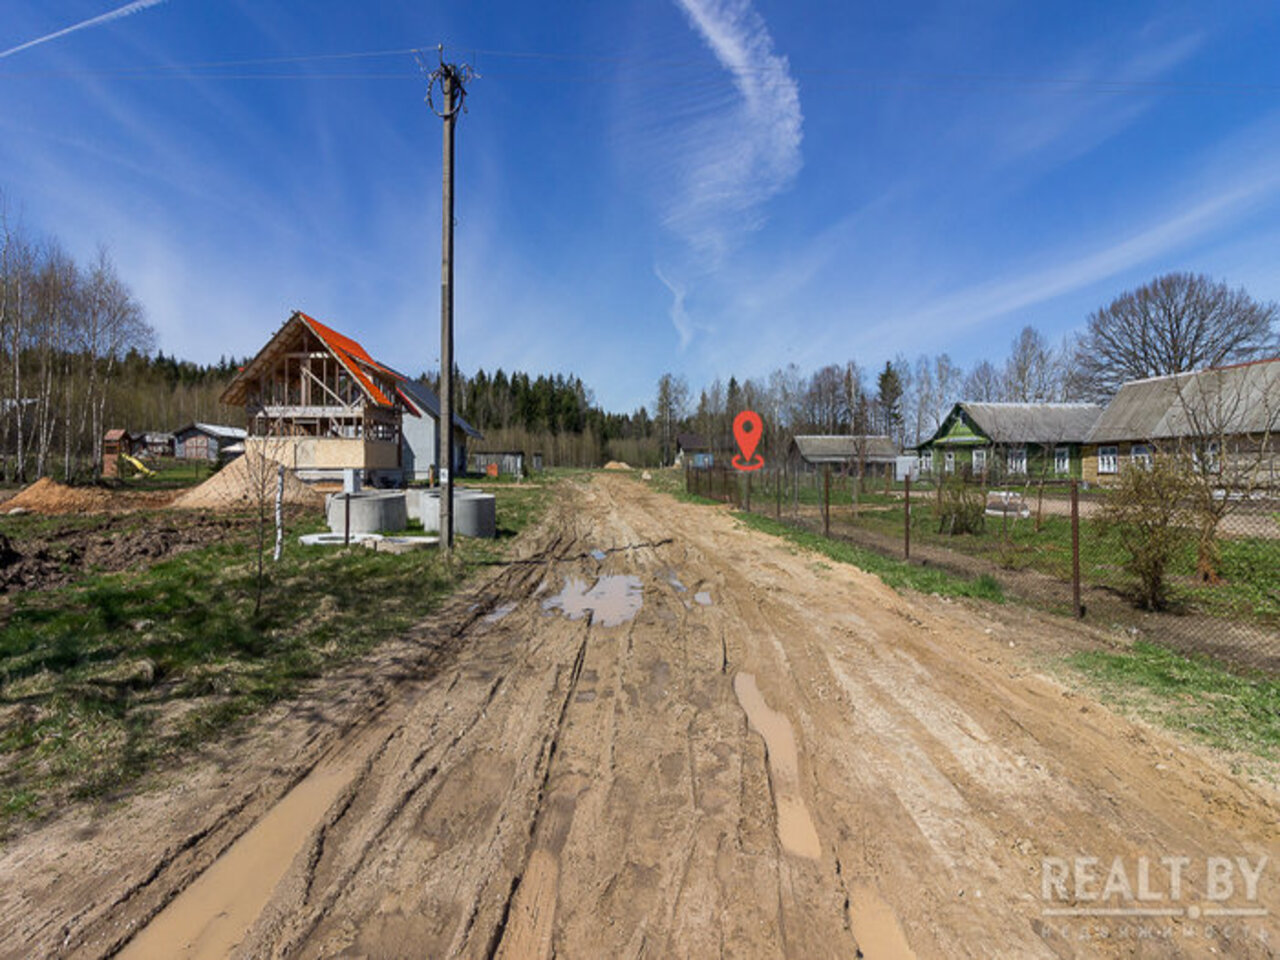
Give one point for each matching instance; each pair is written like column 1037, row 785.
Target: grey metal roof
column 845, row 449
column 692, row 443
column 215, row 430
column 1239, row 399
column 423, row 396
column 1034, row 422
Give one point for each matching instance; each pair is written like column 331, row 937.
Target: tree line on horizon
column 75, row 359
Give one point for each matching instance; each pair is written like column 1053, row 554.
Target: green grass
column 896, row 573
column 103, row 679
column 1196, row 695
column 1250, row 567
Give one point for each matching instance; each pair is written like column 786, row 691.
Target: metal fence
column 1046, row 543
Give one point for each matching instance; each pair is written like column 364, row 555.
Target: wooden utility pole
column 451, row 78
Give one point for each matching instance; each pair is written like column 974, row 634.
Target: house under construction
column 316, row 401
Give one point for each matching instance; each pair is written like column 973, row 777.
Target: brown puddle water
column 795, row 826
column 211, row 916
column 613, row 600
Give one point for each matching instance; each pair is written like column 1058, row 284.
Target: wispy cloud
column 679, row 315
column 122, row 11
column 733, row 160
column 976, row 305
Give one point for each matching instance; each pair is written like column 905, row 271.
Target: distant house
column 205, row 441
column 1010, row 440
column 157, row 444
column 1228, row 415
column 864, row 455
column 693, row 451
column 316, row 401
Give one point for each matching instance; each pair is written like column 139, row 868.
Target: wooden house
column 1225, row 417
column 856, row 455
column 316, row 401
column 1010, row 441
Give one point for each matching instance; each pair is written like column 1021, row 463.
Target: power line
column 850, row 78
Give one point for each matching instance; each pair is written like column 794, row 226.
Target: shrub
column 961, row 507
column 1150, row 513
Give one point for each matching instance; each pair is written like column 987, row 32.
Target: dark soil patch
column 61, row 555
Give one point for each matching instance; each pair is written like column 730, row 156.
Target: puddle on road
column 498, row 612
column 675, row 581
column 703, row 597
column 211, row 916
column 597, row 554
column 613, row 600
column 795, row 826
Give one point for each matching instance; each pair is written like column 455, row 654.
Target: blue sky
column 703, row 186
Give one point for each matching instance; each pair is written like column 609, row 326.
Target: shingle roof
column 418, row 396
column 1239, row 399
column 845, row 448
column 1034, row 422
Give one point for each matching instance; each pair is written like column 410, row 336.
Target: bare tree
column 673, row 396
column 1230, row 420
column 984, row 384
column 1176, row 323
column 1033, row 372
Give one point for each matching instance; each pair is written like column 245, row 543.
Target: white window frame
column 949, row 461
column 1061, row 460
column 1212, row 462
column 926, row 461
column 1108, row 459
column 1015, row 460
column 1140, row 455
column 979, row 459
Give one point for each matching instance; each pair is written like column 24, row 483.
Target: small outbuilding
column 157, row 444
column 115, row 444
column 693, row 451
column 501, row 463
column 206, row 441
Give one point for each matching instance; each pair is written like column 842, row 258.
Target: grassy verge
column 103, row 679
column 896, row 573
column 1195, row 695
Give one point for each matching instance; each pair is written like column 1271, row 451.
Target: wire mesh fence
column 1058, row 545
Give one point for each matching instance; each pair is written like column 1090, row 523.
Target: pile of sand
column 237, row 485
column 617, row 465
column 49, row 496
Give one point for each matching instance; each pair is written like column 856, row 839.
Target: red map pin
column 747, row 428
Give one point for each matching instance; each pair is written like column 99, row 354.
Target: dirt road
column 658, row 734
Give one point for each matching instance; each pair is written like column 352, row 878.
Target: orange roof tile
column 351, row 354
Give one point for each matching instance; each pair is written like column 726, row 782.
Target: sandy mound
column 617, row 465
column 49, row 496
column 235, row 485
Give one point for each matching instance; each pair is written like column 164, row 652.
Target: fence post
column 826, row 500
column 777, row 491
column 906, row 525
column 1076, row 609
column 346, row 520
